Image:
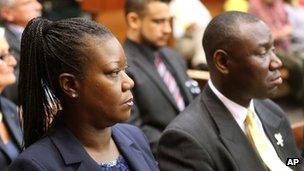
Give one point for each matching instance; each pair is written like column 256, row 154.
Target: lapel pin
column 279, row 138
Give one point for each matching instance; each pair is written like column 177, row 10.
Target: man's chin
column 273, row 92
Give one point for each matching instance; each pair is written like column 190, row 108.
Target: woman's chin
column 7, row 81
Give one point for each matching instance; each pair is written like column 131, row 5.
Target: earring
column 73, row 95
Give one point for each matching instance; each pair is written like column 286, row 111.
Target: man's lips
column 129, row 102
column 277, row 80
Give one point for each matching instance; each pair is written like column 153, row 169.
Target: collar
column 238, row 112
column 149, row 52
column 16, row 29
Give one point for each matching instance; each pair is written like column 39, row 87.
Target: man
column 162, row 87
column 231, row 125
column 16, row 14
column 274, row 14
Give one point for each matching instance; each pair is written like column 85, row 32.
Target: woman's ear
column 221, row 58
column 133, row 20
column 69, row 85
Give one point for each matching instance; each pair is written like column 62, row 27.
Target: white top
column 1, row 33
column 186, row 12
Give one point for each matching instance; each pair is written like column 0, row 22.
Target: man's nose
column 276, row 62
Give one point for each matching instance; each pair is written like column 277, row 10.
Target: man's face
column 22, row 11
column 155, row 28
column 254, row 67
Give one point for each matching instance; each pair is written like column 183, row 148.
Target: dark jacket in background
column 12, row 123
column 155, row 106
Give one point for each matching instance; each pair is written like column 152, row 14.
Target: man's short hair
column 138, row 6
column 7, row 3
column 222, row 31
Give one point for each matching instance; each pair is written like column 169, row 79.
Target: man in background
column 15, row 15
column 162, row 88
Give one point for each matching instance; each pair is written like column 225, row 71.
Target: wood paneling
column 97, row 6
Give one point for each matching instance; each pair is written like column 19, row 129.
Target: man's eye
column 114, row 73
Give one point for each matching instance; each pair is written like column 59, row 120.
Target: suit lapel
column 271, row 125
column 230, row 133
column 179, row 72
column 72, row 151
column 14, row 129
column 13, row 40
column 130, row 152
column 141, row 62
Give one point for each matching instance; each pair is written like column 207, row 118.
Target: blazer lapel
column 130, row 152
column 141, row 62
column 179, row 72
column 72, row 151
column 13, row 127
column 13, row 40
column 231, row 134
column 271, row 125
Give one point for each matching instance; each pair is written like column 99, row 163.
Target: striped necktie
column 263, row 146
column 169, row 81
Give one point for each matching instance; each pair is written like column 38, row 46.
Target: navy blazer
column 12, row 123
column 62, row 151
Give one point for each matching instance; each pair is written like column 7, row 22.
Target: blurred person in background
column 295, row 15
column 62, row 9
column 162, row 87
column 10, row 130
column 15, row 14
column 236, row 5
column 188, row 29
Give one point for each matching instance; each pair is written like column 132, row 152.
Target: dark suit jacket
column 62, row 151
column 154, row 105
column 206, row 137
column 12, row 123
column 11, row 91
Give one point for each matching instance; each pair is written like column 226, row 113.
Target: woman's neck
column 97, row 142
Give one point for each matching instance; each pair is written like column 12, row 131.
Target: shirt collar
column 16, row 29
column 238, row 112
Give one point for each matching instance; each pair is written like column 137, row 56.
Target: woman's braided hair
column 47, row 50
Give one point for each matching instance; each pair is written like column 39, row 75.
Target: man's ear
column 7, row 14
column 133, row 20
column 221, row 58
column 69, row 85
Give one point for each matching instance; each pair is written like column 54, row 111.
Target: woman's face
column 7, row 64
column 105, row 90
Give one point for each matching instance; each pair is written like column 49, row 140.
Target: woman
column 74, row 91
column 10, row 131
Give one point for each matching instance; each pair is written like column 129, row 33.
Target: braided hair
column 47, row 50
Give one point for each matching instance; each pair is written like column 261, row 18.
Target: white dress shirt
column 238, row 112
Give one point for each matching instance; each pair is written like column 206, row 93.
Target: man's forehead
column 254, row 29
column 156, row 6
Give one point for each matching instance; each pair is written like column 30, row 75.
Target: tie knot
column 249, row 117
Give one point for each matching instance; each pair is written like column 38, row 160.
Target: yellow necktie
column 263, row 146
